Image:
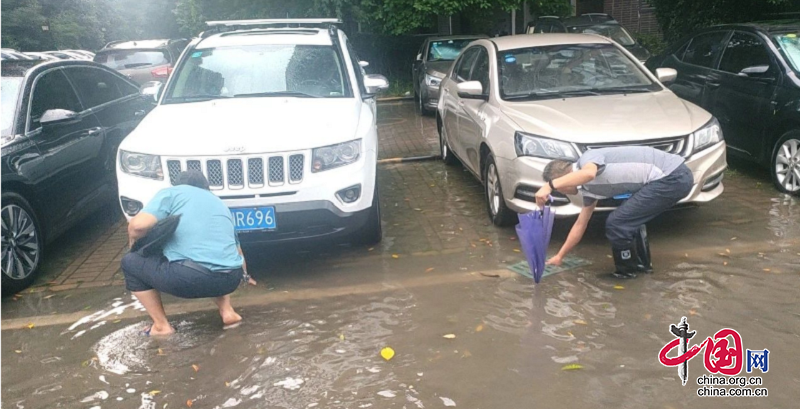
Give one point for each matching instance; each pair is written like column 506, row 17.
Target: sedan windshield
column 9, row 91
column 309, row 71
column 790, row 47
column 569, row 70
column 447, row 50
column 612, row 31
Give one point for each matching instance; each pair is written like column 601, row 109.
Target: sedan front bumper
column 522, row 176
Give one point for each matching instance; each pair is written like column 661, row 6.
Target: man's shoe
column 625, row 262
column 642, row 246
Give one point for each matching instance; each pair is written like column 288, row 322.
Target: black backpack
column 152, row 244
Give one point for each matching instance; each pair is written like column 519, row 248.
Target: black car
column 746, row 75
column 62, row 122
column 591, row 23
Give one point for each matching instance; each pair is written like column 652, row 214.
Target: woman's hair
column 193, row 178
column 555, row 169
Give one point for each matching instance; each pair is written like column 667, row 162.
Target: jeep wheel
column 372, row 232
column 21, row 244
column 786, row 163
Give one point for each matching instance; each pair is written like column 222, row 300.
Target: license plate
column 254, row 218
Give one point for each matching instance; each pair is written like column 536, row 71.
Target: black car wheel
column 499, row 213
column 372, row 231
column 22, row 243
column 424, row 111
column 447, row 155
column 786, row 163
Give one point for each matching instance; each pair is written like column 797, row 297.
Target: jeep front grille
column 236, row 173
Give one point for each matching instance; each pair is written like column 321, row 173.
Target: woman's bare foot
column 161, row 330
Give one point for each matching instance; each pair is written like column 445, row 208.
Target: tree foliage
column 680, row 17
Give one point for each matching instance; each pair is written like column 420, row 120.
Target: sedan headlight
column 140, row 164
column 537, row 146
column 329, row 157
column 432, row 81
column 708, row 135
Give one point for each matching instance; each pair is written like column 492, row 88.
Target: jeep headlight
column 537, row 146
column 333, row 156
column 708, row 135
column 140, row 164
column 432, row 81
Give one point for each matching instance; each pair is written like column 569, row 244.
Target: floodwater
column 466, row 331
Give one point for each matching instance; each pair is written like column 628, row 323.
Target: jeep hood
column 246, row 126
column 608, row 118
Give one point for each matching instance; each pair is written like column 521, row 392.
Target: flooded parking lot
column 441, row 292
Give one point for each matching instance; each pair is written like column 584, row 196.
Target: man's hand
column 554, row 261
column 543, row 195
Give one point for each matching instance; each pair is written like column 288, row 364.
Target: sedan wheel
column 786, row 164
column 500, row 214
column 21, row 244
column 447, row 156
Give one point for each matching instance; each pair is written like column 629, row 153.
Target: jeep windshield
column 274, row 70
column 574, row 70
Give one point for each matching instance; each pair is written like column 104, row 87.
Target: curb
column 393, row 99
column 409, row 159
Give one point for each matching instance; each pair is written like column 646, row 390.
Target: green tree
column 22, row 25
column 189, row 16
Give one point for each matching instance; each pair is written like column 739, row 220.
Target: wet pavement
column 316, row 324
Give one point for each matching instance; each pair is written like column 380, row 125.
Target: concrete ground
column 440, row 291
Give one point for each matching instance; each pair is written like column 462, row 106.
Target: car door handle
column 713, row 84
column 139, row 113
column 94, row 131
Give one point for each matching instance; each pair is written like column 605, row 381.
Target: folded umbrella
column 534, row 230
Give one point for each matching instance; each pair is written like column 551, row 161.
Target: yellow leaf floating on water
column 580, row 322
column 153, row 393
column 160, row 351
column 449, row 336
column 766, row 270
column 571, row 367
column 195, row 367
column 371, row 248
column 429, row 269
column 479, row 328
column 619, row 287
column 227, row 384
column 19, row 351
column 395, row 256
column 387, row 353
column 30, row 325
column 189, row 403
column 341, row 337
column 516, row 250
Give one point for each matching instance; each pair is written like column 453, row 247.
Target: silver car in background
column 142, row 61
column 510, row 105
column 433, row 62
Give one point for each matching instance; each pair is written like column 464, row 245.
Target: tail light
column 161, row 72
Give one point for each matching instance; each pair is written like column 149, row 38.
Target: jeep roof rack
column 220, row 26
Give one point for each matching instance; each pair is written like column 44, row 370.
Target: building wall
column 635, row 15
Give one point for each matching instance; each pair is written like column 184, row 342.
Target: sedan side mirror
column 151, row 90
column 666, row 75
column 375, row 83
column 53, row 117
column 754, row 71
column 471, row 90
column 363, row 64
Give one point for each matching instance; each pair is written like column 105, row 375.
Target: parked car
column 746, row 75
column 41, row 56
column 591, row 23
column 434, row 59
column 142, row 61
column 10, row 54
column 280, row 117
column 86, row 55
column 510, row 105
column 62, row 122
column 63, row 55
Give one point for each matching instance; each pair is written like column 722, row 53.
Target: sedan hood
column 245, row 125
column 609, row 118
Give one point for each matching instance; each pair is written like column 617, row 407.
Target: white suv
column 280, row 117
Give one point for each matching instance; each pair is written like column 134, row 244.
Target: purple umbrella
column 534, row 230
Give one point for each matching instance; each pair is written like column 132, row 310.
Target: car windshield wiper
column 621, row 90
column 555, row 94
column 196, row 98
column 276, row 94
